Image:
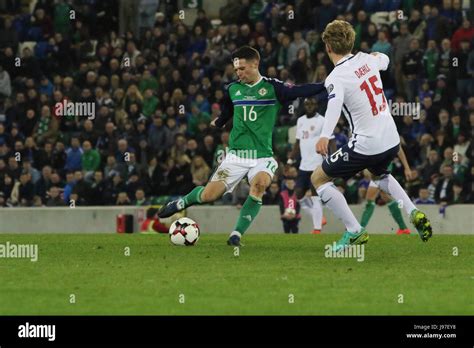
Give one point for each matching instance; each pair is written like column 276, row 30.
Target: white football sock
column 306, row 203
column 236, row 233
column 391, row 186
column 317, row 212
column 335, row 200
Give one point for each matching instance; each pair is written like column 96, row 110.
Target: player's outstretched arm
column 286, row 92
column 382, row 60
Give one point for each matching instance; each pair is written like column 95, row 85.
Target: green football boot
column 349, row 238
column 422, row 224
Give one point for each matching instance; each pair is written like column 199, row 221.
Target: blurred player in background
column 253, row 102
column 152, row 223
column 355, row 87
column 308, row 130
column 373, row 190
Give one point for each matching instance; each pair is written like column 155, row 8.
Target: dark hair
column 245, row 52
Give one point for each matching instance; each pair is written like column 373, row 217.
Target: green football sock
column 367, row 214
column 248, row 213
column 397, row 214
column 193, row 197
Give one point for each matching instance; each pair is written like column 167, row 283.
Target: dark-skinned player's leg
column 311, row 204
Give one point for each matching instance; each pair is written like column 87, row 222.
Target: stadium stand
column 155, row 83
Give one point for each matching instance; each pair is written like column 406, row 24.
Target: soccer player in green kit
column 253, row 102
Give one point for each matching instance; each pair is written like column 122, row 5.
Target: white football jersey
column 308, row 131
column 355, row 80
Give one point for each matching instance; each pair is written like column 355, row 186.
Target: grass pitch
column 273, row 275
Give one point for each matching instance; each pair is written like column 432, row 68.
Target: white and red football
column 184, row 231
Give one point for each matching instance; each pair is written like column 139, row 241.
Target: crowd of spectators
column 156, row 84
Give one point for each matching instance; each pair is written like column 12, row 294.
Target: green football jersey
column 255, row 112
column 255, row 109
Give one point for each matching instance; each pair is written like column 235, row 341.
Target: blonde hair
column 340, row 36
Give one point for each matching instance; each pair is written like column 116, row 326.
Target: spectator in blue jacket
column 74, row 156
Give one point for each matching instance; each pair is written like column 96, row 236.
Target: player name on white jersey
column 362, row 71
column 356, row 84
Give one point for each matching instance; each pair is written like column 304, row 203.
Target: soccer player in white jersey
column 308, row 130
column 355, row 87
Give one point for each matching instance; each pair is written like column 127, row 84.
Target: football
column 184, row 231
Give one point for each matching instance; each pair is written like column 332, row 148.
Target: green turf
column 259, row 281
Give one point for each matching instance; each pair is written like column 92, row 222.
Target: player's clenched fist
column 322, row 146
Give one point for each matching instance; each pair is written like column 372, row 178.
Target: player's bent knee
column 318, row 178
column 258, row 188
column 210, row 194
column 206, row 196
